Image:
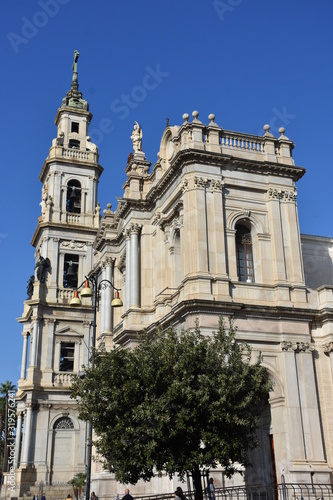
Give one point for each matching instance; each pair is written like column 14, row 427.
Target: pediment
column 68, row 331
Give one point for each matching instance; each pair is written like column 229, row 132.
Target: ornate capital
column 184, row 185
column 274, row 194
column 289, row 195
column 328, row 348
column 127, row 233
column 297, row 346
column 135, row 228
column 200, row 182
column 216, row 185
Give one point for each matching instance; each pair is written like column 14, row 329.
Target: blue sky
column 249, row 62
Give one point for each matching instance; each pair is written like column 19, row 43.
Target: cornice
column 67, row 161
column 190, row 156
column 62, row 228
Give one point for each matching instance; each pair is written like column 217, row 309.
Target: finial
column 282, row 130
column 211, row 117
column 195, row 114
column 75, row 82
column 73, row 97
column 167, row 122
column 186, row 117
column 266, row 127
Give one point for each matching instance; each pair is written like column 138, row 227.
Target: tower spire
column 73, row 97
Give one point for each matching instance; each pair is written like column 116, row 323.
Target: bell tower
column 50, row 441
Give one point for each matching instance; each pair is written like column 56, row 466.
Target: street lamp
column 76, row 302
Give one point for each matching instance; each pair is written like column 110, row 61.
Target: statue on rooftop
column 137, row 138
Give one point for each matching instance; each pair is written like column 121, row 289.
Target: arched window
column 63, row 423
column 244, row 254
column 73, row 201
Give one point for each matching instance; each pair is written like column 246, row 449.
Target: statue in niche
column 30, row 286
column 137, row 138
column 43, row 266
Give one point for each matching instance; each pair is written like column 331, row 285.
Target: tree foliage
column 176, row 403
column 78, row 482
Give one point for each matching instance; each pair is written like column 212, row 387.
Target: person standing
column 127, row 495
column 211, row 489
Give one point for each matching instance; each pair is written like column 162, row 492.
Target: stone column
column 313, row 440
column 197, row 225
column 292, row 243
column 33, row 355
column 24, row 355
column 275, row 224
column 26, row 435
column 128, row 270
column 59, row 196
column 215, row 221
column 50, row 334
column 18, row 439
column 134, row 266
column 294, row 415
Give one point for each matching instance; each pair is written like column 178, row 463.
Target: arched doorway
column 63, row 450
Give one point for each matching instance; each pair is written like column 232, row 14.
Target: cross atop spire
column 73, row 97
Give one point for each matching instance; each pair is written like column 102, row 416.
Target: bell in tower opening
column 73, row 202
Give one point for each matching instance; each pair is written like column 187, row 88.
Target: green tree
column 175, row 404
column 5, row 388
column 78, row 482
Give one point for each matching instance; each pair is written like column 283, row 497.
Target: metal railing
column 287, row 491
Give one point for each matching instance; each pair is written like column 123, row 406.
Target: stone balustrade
column 235, row 140
column 79, row 154
column 212, row 137
column 65, row 294
column 63, row 378
column 72, row 218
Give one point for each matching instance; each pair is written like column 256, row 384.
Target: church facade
column 211, row 229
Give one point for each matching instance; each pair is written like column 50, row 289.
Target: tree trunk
column 197, row 483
